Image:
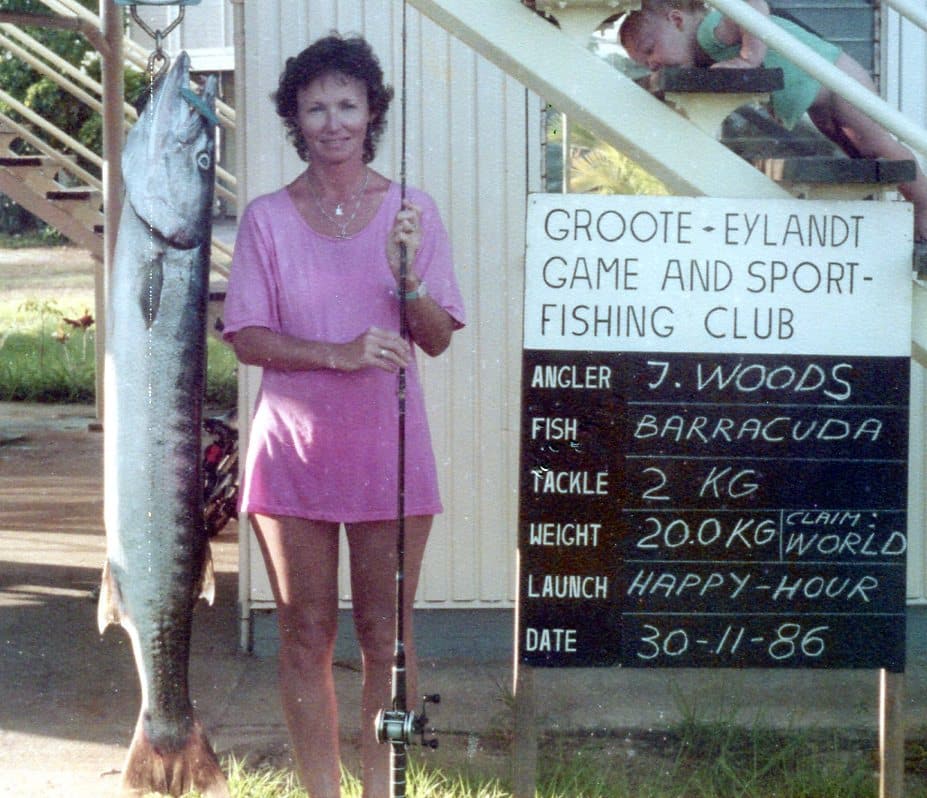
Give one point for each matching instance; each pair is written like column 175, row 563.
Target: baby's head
column 662, row 33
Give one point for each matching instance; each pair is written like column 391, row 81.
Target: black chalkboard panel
column 684, row 510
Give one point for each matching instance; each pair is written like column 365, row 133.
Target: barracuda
column 158, row 561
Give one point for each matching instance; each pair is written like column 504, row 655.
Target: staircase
column 44, row 185
column 49, row 182
column 70, row 200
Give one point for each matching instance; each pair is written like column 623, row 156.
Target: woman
column 313, row 299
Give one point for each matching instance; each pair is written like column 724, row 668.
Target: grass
column 697, row 758
column 37, row 238
column 790, row 768
column 47, row 353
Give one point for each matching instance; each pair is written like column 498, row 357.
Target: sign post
column 714, row 433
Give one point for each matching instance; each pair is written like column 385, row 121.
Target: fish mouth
column 168, row 162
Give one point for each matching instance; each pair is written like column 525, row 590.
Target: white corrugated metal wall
column 472, row 140
column 904, row 85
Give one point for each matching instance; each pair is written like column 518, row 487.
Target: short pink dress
column 324, row 443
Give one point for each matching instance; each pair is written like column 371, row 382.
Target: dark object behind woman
column 313, row 299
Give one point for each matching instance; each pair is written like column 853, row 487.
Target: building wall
column 903, row 65
column 473, row 143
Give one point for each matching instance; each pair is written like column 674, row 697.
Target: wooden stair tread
column 20, row 161
column 697, row 80
column 79, row 193
column 822, row 169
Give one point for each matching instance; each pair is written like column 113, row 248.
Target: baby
column 685, row 33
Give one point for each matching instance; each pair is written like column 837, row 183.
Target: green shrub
column 47, row 355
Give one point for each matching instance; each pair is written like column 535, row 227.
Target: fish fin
column 208, row 578
column 110, row 603
column 149, row 296
column 193, row 766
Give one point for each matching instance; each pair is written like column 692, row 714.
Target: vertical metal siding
column 917, row 511
column 848, row 23
column 904, row 84
column 467, row 134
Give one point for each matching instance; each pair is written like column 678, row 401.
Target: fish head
column 168, row 163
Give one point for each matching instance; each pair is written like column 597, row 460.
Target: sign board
column 714, row 432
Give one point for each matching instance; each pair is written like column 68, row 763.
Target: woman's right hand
column 378, row 348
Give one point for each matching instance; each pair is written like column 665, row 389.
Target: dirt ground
column 63, row 273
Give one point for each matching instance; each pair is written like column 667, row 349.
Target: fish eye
column 203, row 160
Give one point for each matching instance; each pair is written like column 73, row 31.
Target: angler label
column 714, row 433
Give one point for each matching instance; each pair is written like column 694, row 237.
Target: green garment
column 799, row 90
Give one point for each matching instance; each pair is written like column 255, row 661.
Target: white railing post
column 912, row 11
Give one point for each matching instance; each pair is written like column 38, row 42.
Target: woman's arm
column 430, row 325
column 260, row 346
column 752, row 49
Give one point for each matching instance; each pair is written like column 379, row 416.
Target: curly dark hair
column 350, row 56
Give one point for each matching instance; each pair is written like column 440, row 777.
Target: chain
column 356, row 198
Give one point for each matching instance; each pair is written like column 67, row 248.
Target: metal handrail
column 56, row 77
column 56, row 133
column 911, row 11
column 822, row 70
column 46, row 149
column 49, row 55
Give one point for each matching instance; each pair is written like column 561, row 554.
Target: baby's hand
column 734, row 63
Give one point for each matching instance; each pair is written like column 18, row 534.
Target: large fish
column 158, row 561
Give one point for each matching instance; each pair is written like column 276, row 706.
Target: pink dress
column 323, row 443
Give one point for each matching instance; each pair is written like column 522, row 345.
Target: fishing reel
column 399, row 727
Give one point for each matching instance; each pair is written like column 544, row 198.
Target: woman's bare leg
column 302, row 561
column 373, row 591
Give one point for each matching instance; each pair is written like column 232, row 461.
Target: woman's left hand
column 407, row 229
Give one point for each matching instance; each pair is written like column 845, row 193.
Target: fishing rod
column 398, row 725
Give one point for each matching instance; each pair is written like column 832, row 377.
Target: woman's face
column 333, row 115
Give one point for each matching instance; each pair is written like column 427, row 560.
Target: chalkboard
column 714, row 433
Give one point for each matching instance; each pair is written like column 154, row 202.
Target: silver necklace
column 341, row 227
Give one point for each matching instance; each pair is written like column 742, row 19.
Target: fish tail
column 191, row 766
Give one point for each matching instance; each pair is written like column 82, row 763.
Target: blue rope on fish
column 199, row 105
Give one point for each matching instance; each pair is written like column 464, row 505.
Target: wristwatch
column 418, row 293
